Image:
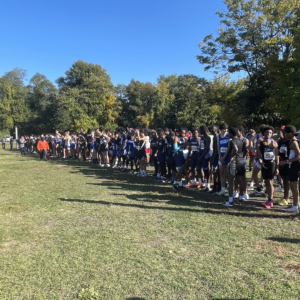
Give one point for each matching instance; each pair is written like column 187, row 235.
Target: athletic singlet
column 223, row 144
column 180, row 143
column 268, row 152
column 67, row 142
column 140, row 144
column 195, row 146
column 147, row 142
column 211, row 148
column 283, row 149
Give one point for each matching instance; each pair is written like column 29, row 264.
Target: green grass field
column 66, row 226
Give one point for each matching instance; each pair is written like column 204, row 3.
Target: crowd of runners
column 209, row 159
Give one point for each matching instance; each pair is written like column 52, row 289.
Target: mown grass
column 65, row 226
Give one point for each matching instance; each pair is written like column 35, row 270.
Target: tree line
column 257, row 39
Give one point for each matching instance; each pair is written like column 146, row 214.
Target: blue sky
column 130, row 39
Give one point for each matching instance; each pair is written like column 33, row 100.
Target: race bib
column 202, row 146
column 194, row 148
column 113, row 147
column 223, row 149
column 283, row 150
column 268, row 155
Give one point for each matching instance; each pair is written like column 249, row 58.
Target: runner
column 141, row 152
column 194, row 145
column 204, row 158
column 161, row 155
column 237, row 169
column 224, row 156
column 283, row 153
column 294, row 165
column 215, row 161
column 179, row 145
column 267, row 155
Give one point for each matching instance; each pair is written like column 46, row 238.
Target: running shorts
column 294, row 171
column 269, row 171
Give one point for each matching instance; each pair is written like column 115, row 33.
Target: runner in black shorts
column 267, row 154
column 293, row 162
column 237, row 164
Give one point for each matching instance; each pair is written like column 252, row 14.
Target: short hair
column 267, row 128
column 223, row 126
column 290, row 129
column 233, row 131
column 241, row 129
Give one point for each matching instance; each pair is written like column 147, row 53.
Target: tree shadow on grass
column 151, row 191
column 169, row 208
column 283, row 240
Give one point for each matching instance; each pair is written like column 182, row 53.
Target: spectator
column 3, row 142
column 42, row 147
column 22, row 142
column 11, row 142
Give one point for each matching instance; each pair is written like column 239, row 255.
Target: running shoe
column 228, row 204
column 291, row 210
column 283, row 202
column 222, row 193
column 130, row 172
column 143, row 175
column 279, row 190
column 190, row 184
column 175, row 187
column 182, row 187
column 250, row 188
column 212, row 192
column 236, row 195
column 207, row 190
column 101, row 165
column 107, row 165
column 245, row 197
column 140, row 174
column 135, row 173
column 198, row 185
column 268, row 204
column 226, row 195
column 240, row 200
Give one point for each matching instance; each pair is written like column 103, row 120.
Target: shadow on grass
column 135, row 298
column 151, row 191
column 210, row 211
column 284, row 240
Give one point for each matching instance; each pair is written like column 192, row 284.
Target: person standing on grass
column 267, row 155
column 11, row 142
column 294, row 165
column 3, row 142
column 42, row 148
column 22, row 142
column 237, row 168
column 224, row 156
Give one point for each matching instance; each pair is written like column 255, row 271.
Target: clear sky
column 129, row 38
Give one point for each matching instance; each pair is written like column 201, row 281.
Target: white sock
column 251, row 184
column 180, row 183
column 208, row 185
column 223, row 189
column 199, row 181
column 296, row 207
column 262, row 184
column 193, row 181
column 230, row 199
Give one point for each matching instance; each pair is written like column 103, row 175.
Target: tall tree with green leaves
column 251, row 31
column 87, row 96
